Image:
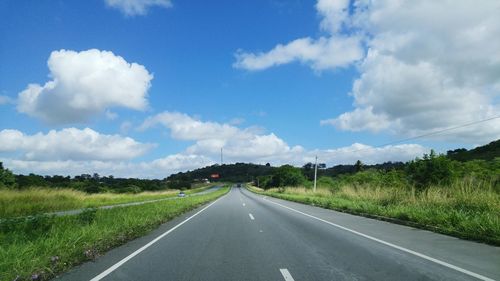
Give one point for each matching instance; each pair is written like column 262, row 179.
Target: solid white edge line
column 127, row 258
column 286, row 274
column 459, row 269
column 251, row 216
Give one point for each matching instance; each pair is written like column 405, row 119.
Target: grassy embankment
column 466, row 209
column 46, row 245
column 15, row 203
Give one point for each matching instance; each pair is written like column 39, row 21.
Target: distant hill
column 485, row 152
column 245, row 172
column 238, row 172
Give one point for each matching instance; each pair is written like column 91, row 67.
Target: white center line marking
column 459, row 269
column 127, row 258
column 251, row 216
column 286, row 274
column 243, row 204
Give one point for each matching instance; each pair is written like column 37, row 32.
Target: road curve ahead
column 244, row 236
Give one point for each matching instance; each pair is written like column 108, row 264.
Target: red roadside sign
column 215, row 176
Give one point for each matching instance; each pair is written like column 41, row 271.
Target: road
column 244, row 236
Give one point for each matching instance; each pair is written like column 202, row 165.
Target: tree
column 359, row 166
column 287, row 175
column 7, row 178
column 432, row 169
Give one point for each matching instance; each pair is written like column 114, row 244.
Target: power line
column 430, row 134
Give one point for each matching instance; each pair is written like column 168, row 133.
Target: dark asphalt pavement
column 243, row 236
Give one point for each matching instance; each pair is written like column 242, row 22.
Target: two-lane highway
column 243, row 236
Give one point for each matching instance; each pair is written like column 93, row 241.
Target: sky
column 147, row 88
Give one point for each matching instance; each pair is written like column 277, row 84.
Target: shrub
column 87, row 216
column 7, row 179
column 432, row 169
column 287, row 175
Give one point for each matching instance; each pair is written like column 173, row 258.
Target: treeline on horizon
column 482, row 163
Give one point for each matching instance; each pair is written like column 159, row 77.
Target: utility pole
column 315, row 172
column 221, row 159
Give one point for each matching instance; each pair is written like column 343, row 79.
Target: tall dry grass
column 468, row 208
column 40, row 200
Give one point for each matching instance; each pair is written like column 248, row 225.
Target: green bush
column 87, row 216
column 287, row 175
column 264, row 181
column 326, row 182
column 7, row 178
column 431, row 170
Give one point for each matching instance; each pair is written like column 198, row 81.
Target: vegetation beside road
column 31, row 201
column 460, row 211
column 38, row 248
column 434, row 192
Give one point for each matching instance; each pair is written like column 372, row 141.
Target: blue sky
column 149, row 87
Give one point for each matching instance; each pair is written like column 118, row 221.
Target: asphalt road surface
column 244, row 236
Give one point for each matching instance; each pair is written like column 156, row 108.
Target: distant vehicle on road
column 238, row 185
column 181, row 194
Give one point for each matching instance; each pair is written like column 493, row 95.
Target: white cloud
column 85, row 84
column 73, row 151
column 427, row 66
column 185, row 127
column 334, row 14
column 137, row 7
column 158, row 168
column 247, row 144
column 367, row 154
column 253, row 145
column 71, row 144
column 359, row 120
column 430, row 66
column 323, row 53
column 163, row 167
column 330, row 52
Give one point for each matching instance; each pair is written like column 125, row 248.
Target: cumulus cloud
column 85, row 84
column 185, row 127
column 74, row 151
column 254, row 145
column 367, row 154
column 429, row 66
column 327, row 52
column 238, row 144
column 71, row 144
column 163, row 167
column 137, row 7
column 158, row 168
column 323, row 53
column 424, row 65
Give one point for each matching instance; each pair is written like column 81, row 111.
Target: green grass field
column 46, row 245
column 15, row 203
column 465, row 209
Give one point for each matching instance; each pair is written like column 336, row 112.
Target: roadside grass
column 16, row 203
column 43, row 246
column 467, row 209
